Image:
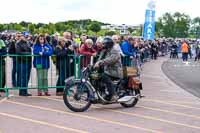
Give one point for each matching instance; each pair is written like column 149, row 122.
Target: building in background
column 123, row 29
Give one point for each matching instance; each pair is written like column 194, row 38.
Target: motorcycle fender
column 71, row 80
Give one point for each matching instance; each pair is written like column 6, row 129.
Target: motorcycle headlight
column 83, row 80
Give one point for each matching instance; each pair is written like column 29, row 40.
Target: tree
column 17, row 27
column 31, row 28
column 101, row 33
column 1, row 27
column 90, row 33
column 95, row 27
column 52, row 28
column 182, row 25
column 60, row 26
column 168, row 25
column 195, row 29
column 173, row 25
column 158, row 28
column 39, row 25
column 77, row 26
column 131, row 30
column 24, row 24
column 110, row 33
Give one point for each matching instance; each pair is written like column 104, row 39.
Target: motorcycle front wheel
column 76, row 97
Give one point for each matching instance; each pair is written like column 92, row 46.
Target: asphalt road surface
column 186, row 75
column 167, row 108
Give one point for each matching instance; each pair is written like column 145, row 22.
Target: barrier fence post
column 6, row 72
column 79, row 68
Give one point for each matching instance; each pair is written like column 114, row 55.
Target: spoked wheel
column 76, row 97
column 132, row 102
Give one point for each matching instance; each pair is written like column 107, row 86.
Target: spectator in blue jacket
column 42, row 50
column 128, row 50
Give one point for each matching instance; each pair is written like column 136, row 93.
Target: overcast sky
column 109, row 11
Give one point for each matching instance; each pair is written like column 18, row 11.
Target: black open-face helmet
column 107, row 43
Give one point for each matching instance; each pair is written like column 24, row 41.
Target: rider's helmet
column 107, row 43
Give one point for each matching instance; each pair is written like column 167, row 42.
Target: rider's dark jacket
column 112, row 63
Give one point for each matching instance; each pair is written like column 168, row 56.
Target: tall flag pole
column 149, row 24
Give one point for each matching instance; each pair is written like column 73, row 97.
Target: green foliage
column 169, row 25
column 173, row 25
column 17, row 27
column 60, row 27
column 24, row 24
column 110, row 33
column 130, row 30
column 159, row 26
column 101, row 33
column 90, row 33
column 31, row 28
column 95, row 27
column 195, row 28
column 138, row 32
column 1, row 27
column 77, row 26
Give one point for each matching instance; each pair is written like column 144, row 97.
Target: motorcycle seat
column 116, row 80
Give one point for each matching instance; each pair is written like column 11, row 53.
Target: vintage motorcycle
column 79, row 94
column 173, row 53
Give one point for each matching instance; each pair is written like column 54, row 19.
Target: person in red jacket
column 87, row 51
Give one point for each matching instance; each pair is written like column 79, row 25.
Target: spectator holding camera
column 64, row 63
column 42, row 50
column 23, row 65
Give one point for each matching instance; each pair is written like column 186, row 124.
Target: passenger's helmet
column 107, row 43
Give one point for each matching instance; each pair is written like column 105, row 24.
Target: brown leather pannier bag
column 134, row 83
column 130, row 72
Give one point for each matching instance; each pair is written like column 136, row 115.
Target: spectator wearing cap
column 64, row 63
column 87, row 50
column 42, row 50
column 24, row 65
column 2, row 65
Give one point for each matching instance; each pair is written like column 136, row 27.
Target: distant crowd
column 38, row 51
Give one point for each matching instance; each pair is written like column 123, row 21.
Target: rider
column 175, row 47
column 112, row 66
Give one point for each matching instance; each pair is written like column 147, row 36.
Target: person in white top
column 115, row 39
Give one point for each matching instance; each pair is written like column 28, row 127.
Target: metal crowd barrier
column 17, row 71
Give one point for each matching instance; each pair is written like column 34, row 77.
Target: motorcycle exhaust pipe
column 128, row 98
